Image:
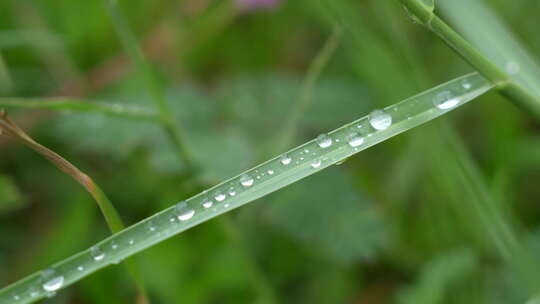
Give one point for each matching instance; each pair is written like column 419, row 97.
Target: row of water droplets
column 325, row 150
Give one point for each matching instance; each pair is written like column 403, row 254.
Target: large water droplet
column 219, row 196
column 183, row 212
column 270, row 172
column 316, row 164
column 380, row 120
column 324, row 141
column 97, row 254
column 355, row 140
column 445, row 100
column 285, row 159
column 207, row 203
column 53, row 283
column 246, row 180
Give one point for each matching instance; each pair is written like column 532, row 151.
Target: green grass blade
column 298, row 163
column 517, row 92
column 306, row 96
column 70, row 104
column 130, row 44
column 487, row 216
column 486, row 31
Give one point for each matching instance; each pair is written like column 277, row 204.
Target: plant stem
column 306, row 96
column 506, row 85
column 131, row 46
column 70, row 104
column 115, row 223
column 333, row 148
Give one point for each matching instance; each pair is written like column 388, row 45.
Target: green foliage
column 444, row 213
column 10, row 196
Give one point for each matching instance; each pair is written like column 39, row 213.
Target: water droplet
column 285, row 159
column 232, row 191
column 246, row 180
column 97, row 254
column 207, row 203
column 54, row 283
column 183, row 212
column 512, row 67
column 316, row 164
column 445, row 100
column 380, row 120
column 219, row 196
column 16, row 298
column 270, row 172
column 324, row 141
column 226, row 205
column 114, row 246
column 151, row 226
column 355, row 140
column 306, row 150
column 131, row 241
column 80, row 268
column 34, row 291
column 466, row 84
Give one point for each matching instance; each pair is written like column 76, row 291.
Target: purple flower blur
column 254, row 5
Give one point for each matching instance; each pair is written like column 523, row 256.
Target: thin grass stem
column 516, row 92
column 298, row 163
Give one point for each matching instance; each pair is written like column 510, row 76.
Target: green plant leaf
column 300, row 162
column 479, row 24
column 437, row 276
column 330, row 214
column 10, row 197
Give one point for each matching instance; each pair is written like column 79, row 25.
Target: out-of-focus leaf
column 328, row 213
column 478, row 23
column 261, row 103
column 218, row 149
column 10, row 196
column 437, row 276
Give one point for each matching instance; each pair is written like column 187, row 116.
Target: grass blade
column 485, row 30
column 130, row 44
column 517, row 92
column 115, row 223
column 70, row 104
column 270, row 176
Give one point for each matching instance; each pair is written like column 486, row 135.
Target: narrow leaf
column 309, row 158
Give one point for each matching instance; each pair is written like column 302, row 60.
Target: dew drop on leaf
column 207, row 203
column 380, row 120
column 355, row 140
column 183, row 211
column 246, row 180
column 445, row 100
column 324, row 141
column 285, row 159
column 219, row 196
column 97, row 254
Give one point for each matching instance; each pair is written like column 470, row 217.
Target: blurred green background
column 446, row 213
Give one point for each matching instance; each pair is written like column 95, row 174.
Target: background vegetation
column 445, row 213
